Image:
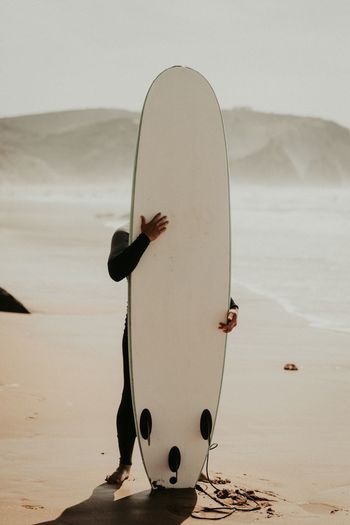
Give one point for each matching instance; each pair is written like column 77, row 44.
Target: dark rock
column 9, row 304
column 290, row 366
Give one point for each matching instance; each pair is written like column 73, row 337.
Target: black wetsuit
column 122, row 261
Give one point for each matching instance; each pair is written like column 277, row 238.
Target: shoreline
column 312, row 321
column 294, row 238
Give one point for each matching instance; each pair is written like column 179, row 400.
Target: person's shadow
column 149, row 507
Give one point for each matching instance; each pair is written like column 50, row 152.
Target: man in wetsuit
column 122, row 260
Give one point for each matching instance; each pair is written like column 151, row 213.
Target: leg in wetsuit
column 125, row 418
column 122, row 260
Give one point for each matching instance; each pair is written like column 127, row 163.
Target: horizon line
column 128, row 110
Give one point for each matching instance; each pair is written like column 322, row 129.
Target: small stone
column 290, row 366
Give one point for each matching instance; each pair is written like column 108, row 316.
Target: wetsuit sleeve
column 123, row 258
column 233, row 304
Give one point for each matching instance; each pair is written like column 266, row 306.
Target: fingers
column 162, row 227
column 156, row 226
column 232, row 323
column 156, row 217
column 162, row 222
column 228, row 327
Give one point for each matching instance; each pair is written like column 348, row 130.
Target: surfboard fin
column 206, row 424
column 146, row 425
column 174, row 461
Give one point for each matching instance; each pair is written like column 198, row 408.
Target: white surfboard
column 179, row 292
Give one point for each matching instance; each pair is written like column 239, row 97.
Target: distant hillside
column 96, row 144
column 266, row 147
column 99, row 145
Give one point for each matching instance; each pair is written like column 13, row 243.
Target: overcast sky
column 287, row 56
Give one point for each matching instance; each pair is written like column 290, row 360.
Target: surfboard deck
column 180, row 290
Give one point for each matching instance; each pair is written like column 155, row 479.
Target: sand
column 61, row 379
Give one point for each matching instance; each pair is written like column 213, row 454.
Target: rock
column 290, row 366
column 9, row 304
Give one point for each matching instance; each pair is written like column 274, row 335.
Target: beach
column 280, row 432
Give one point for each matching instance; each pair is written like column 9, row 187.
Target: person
column 122, row 260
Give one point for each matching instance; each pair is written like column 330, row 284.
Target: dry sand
column 61, row 380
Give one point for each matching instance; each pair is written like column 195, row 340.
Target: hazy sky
column 274, row 55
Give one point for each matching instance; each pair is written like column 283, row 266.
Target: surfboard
column 180, row 289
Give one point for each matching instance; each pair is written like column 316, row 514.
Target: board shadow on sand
column 171, row 506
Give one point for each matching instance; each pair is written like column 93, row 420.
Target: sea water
column 292, row 244
column 289, row 244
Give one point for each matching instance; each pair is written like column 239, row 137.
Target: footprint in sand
column 32, row 507
column 34, row 416
column 4, row 386
column 320, row 508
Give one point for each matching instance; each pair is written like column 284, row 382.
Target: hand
column 155, row 226
column 230, row 323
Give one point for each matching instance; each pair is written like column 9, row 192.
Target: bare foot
column 119, row 475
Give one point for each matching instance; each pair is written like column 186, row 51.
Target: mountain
column 265, row 147
column 99, row 145
column 69, row 145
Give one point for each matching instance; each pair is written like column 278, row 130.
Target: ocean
column 289, row 244
column 292, row 244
